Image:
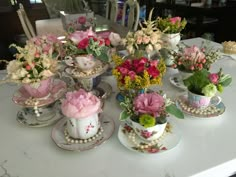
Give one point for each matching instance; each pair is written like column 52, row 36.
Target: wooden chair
column 25, row 22
column 133, row 14
column 112, row 10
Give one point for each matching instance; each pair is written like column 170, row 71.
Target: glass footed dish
column 57, row 90
column 48, row 115
column 166, row 142
column 59, row 139
column 210, row 111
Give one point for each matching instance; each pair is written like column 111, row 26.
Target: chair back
column 133, row 14
column 112, row 10
column 25, row 22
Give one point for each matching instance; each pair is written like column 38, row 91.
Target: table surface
column 54, row 26
column 207, row 147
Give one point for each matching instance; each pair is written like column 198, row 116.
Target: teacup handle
column 215, row 100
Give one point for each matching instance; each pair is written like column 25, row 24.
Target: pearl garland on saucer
column 82, row 141
column 142, row 145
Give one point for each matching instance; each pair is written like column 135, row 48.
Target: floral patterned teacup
column 201, row 101
column 83, row 128
column 151, row 133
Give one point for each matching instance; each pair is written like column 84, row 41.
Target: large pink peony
column 80, row 104
column 149, row 103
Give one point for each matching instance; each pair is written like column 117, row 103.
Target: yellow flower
column 117, row 59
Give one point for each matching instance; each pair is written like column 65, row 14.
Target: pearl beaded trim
column 206, row 111
column 142, row 145
column 82, row 141
column 31, row 101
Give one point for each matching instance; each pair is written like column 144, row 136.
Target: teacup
column 83, row 128
column 201, row 101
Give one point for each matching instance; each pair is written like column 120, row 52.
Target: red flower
column 132, row 75
column 153, row 71
column 123, row 71
column 107, row 42
column 83, row 44
column 127, row 64
column 139, row 65
column 82, row 20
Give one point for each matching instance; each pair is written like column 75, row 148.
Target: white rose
column 13, row 66
column 46, row 73
column 115, row 39
column 149, row 48
column 154, row 38
column 46, row 62
column 157, row 47
column 21, row 72
column 130, row 49
column 26, row 80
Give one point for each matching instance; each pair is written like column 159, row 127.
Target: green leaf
column 172, row 109
column 124, row 115
column 226, row 82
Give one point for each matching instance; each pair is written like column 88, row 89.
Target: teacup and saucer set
column 40, row 107
column 128, row 136
column 86, row 73
column 200, row 106
column 83, row 135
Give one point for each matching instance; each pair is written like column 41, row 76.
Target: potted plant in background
column 203, row 86
column 144, row 42
column 192, row 58
column 170, row 28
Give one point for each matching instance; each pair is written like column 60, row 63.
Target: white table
column 207, row 147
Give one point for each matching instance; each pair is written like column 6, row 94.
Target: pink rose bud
column 214, row 78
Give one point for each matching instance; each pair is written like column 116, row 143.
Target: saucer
column 177, row 81
column 51, row 114
column 58, row 88
column 58, row 136
column 210, row 111
column 169, row 140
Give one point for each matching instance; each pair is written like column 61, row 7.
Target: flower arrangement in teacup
column 138, row 73
column 171, row 25
column 194, row 58
column 147, row 114
column 203, row 86
column 83, row 43
column 36, row 61
column 81, row 108
column 81, row 23
column 147, row 40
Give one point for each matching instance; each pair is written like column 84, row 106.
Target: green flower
column 220, row 88
column 147, row 121
column 209, row 90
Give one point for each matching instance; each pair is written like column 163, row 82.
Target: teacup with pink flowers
column 82, row 109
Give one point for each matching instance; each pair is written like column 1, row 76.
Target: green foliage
column 166, row 26
column 197, row 81
column 172, row 109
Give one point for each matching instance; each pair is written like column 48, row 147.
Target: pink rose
column 80, row 104
column 132, row 75
column 123, row 71
column 214, row 78
column 175, row 19
column 83, row 44
column 193, row 53
column 154, row 63
column 153, row 71
column 77, row 36
column 82, row 20
column 149, row 103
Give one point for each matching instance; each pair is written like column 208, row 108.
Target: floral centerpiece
column 171, row 25
column 147, row 39
column 193, row 58
column 139, row 73
column 147, row 114
column 203, row 85
column 36, row 61
column 87, row 43
column 81, row 108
